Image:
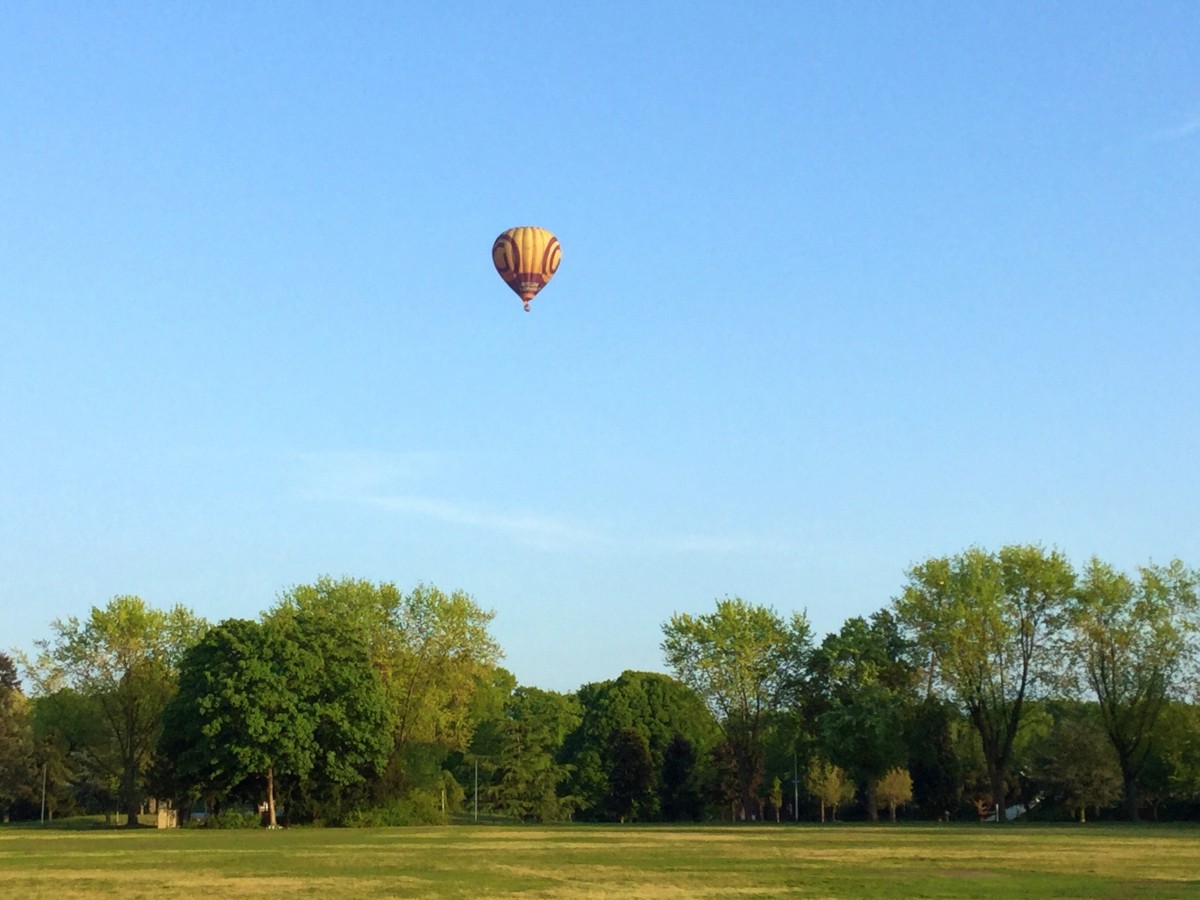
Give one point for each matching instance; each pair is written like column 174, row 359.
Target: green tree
column 528, row 773
column 658, row 707
column 1074, row 764
column 433, row 651
column 631, row 771
column 776, row 797
column 829, row 785
column 296, row 697
column 680, row 794
column 16, row 741
column 860, row 692
column 124, row 657
column 747, row 663
column 1134, row 644
column 237, row 714
column 895, row 789
column 985, row 622
column 932, row 759
column 9, row 680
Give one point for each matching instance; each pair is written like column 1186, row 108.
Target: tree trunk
column 872, row 799
column 1131, row 794
column 996, row 774
column 822, row 812
column 271, row 797
column 132, row 806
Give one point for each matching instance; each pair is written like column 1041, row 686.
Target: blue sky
column 844, row 286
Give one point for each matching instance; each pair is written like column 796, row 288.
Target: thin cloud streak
column 1187, row 129
column 379, row 480
column 541, row 532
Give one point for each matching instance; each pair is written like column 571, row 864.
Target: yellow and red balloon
column 526, row 259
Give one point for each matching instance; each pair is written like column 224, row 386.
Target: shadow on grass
column 77, row 823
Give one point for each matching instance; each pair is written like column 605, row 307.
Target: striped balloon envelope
column 526, row 258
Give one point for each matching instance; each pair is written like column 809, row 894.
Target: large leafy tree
column 631, row 771
column 238, row 714
column 985, row 623
column 747, row 663
column 124, row 658
column 932, row 761
column 656, row 706
column 680, row 788
column 1133, row 643
column 433, row 651
column 1072, row 762
column 861, row 684
column 296, row 699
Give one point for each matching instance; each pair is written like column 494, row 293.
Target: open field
column 1030, row 861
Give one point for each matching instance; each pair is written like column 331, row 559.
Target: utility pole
column 795, row 787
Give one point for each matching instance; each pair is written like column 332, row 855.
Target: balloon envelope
column 526, row 258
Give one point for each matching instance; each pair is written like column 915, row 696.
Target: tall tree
column 1073, row 764
column 237, row 714
column 295, row 698
column 655, row 705
column 630, row 773
column 8, row 674
column 1134, row 644
column 985, row 622
column 432, row 649
column 746, row 662
column 529, row 773
column 932, row 761
column 16, row 742
column 861, row 688
column 125, row 658
column 680, row 795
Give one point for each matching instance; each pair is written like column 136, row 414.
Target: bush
column 418, row 808
column 234, row 818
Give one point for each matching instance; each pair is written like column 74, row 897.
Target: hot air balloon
column 526, row 259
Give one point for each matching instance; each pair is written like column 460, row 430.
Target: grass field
column 1095, row 861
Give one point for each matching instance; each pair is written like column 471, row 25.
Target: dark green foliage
column 932, row 762
column 630, row 772
column 658, row 708
column 528, row 774
column 747, row 663
column 1074, row 766
column 861, row 683
column 680, row 793
column 17, row 766
column 298, row 700
column 123, row 659
column 9, row 681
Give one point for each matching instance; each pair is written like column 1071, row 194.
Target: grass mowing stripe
column 609, row 861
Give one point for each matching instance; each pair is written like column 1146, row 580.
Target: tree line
column 998, row 683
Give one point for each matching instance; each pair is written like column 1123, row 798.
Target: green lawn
column 1032, row 861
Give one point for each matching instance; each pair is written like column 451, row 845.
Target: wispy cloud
column 399, row 483
column 1183, row 130
column 352, row 474
column 721, row 544
column 532, row 529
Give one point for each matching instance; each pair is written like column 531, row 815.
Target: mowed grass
column 1033, row 861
